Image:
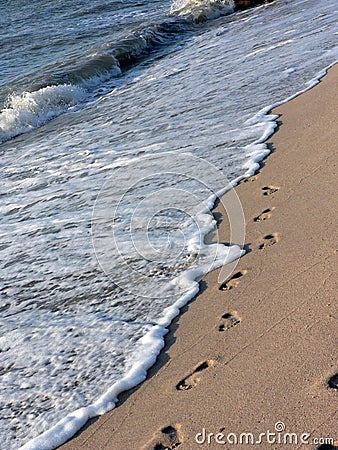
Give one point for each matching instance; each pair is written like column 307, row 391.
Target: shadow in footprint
column 268, row 241
column 193, row 378
column 233, row 281
column 218, row 217
column 327, row 447
column 333, row 382
column 229, row 320
column 264, row 215
column 269, row 190
column 251, row 178
column 168, row 438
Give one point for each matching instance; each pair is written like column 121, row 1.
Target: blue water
column 120, row 121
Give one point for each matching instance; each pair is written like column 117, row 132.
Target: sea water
column 120, row 123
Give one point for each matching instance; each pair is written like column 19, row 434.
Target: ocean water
column 120, row 123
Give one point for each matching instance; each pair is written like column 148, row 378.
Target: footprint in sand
column 168, row 438
column 328, row 446
column 333, row 382
column 249, row 179
column 233, row 281
column 194, row 377
column 268, row 240
column 264, row 215
column 229, row 320
column 268, row 190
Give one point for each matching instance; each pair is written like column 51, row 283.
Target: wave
column 99, row 66
column 30, row 110
column 72, row 83
column 202, row 10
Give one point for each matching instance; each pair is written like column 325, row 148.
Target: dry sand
column 262, row 350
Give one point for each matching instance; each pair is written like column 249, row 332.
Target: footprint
column 229, row 320
column 333, row 382
column 194, row 377
column 252, row 178
column 264, row 215
column 328, row 446
column 233, row 281
column 269, row 240
column 168, row 438
column 268, row 190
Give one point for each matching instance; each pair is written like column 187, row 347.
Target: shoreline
column 222, row 330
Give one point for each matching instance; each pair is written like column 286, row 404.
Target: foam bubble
column 200, row 10
column 29, row 110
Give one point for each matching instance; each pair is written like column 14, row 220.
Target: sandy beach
column 257, row 355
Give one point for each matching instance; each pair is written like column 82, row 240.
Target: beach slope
column 257, row 355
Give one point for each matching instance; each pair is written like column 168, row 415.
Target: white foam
column 258, row 150
column 261, row 125
column 263, row 115
column 30, row 110
column 150, row 345
column 270, row 47
column 202, row 9
column 146, row 352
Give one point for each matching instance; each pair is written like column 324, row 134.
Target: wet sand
column 258, row 354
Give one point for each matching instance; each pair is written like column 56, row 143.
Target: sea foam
column 30, row 110
column 200, row 10
column 150, row 345
column 147, row 349
column 69, row 333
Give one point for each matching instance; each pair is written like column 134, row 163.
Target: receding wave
column 72, row 82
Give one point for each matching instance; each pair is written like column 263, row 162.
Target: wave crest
column 98, row 66
column 201, row 10
column 73, row 82
column 30, row 110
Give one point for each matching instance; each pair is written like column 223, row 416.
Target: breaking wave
column 202, row 10
column 30, row 110
column 72, row 82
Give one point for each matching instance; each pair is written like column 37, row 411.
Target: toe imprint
column 229, row 320
column 167, row 438
column 264, row 215
column 268, row 240
column 333, row 382
column 194, row 377
column 269, row 190
column 233, row 281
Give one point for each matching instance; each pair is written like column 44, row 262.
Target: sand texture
column 261, row 349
